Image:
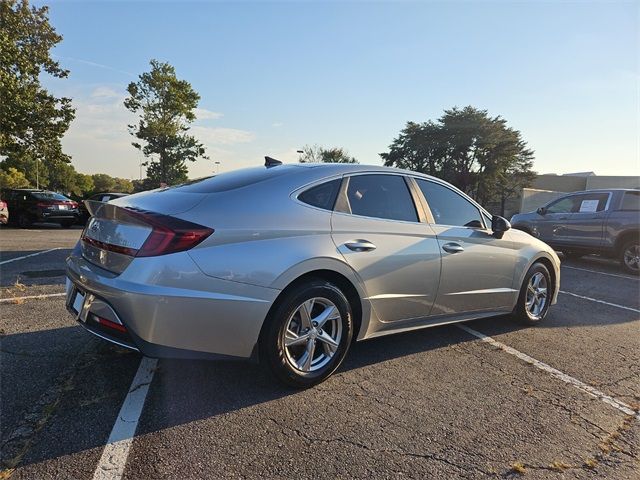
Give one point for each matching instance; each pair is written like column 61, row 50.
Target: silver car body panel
column 215, row 297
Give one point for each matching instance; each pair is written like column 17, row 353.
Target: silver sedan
column 288, row 264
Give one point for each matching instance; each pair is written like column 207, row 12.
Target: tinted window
column 322, row 196
column 631, row 201
column 49, row 196
column 381, row 196
column 448, row 207
column 234, row 179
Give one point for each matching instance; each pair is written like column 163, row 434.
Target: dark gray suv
column 604, row 222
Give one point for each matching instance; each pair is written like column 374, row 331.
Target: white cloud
column 221, row 136
column 106, row 92
column 277, row 124
column 204, row 114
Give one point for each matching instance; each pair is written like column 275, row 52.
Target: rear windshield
column 48, row 196
column 232, row 180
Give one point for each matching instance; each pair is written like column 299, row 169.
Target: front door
column 477, row 267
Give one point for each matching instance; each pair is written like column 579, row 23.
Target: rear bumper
column 170, row 309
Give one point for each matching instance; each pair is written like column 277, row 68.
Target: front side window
column 564, row 205
column 380, row 196
column 321, row 196
column 448, row 207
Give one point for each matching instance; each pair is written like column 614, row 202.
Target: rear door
column 378, row 231
column 477, row 266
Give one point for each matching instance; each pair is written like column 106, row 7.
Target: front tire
column 535, row 296
column 24, row 221
column 308, row 334
column 630, row 257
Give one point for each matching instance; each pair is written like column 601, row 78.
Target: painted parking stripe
column 601, row 301
column 594, row 392
column 28, row 256
column 27, row 297
column 115, row 453
column 602, row 273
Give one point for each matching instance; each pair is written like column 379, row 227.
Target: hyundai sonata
column 288, row 264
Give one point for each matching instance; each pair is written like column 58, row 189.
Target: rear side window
column 49, row 196
column 448, row 207
column 631, row 201
column 322, row 196
column 380, row 196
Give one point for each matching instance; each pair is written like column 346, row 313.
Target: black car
column 27, row 206
column 98, row 197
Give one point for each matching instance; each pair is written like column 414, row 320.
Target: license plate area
column 77, row 301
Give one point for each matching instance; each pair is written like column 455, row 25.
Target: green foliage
column 103, row 182
column 166, row 107
column 32, row 121
column 318, row 154
column 122, row 185
column 479, row 154
column 12, row 178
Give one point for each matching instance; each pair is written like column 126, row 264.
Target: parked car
column 28, row 206
column 287, row 264
column 605, row 222
column 4, row 212
column 83, row 213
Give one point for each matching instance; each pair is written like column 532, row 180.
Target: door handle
column 452, row 248
column 360, row 246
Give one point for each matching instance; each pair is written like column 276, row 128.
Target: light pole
column 217, row 164
column 300, row 152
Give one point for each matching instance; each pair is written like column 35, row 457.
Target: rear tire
column 67, row 224
column 630, row 257
column 307, row 335
column 535, row 296
column 24, row 221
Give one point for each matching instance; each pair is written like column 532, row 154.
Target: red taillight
column 74, row 204
column 44, row 204
column 168, row 235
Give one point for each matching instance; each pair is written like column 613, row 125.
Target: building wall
column 613, row 182
column 560, row 183
column 532, row 198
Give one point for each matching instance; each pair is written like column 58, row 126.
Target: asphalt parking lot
column 488, row 399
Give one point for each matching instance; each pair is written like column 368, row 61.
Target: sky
column 274, row 77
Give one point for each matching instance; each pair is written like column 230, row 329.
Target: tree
column 122, row 185
column 318, row 154
column 477, row 153
column 12, row 178
column 32, row 121
column 166, row 106
column 103, row 182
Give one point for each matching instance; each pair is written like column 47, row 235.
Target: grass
column 518, row 468
column 559, row 466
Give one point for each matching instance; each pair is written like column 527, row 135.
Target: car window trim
column 461, row 195
column 308, row 186
column 343, row 197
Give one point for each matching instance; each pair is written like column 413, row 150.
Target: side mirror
column 499, row 225
column 541, row 211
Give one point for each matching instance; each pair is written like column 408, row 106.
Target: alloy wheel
column 632, row 257
column 312, row 334
column 536, row 295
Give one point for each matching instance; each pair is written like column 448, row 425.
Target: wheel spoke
column 329, row 313
column 305, row 362
column 292, row 338
column 326, row 338
column 305, row 313
column 542, row 292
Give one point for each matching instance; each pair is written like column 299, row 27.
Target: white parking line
column 600, row 301
column 115, row 453
column 30, row 255
column 602, row 273
column 594, row 392
column 27, row 297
